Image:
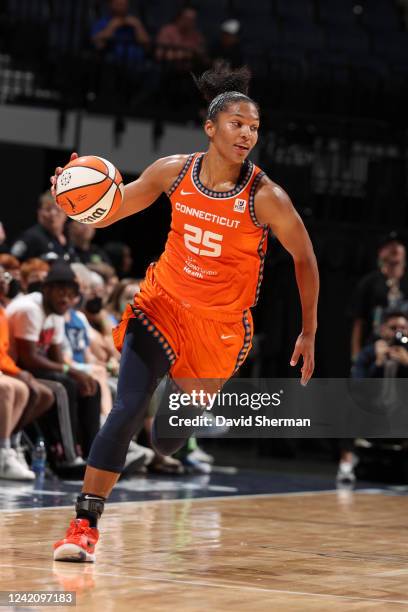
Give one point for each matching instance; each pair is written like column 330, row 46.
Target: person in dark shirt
column 385, row 358
column 384, row 288
column 228, row 45
column 120, row 34
column 81, row 236
column 46, row 239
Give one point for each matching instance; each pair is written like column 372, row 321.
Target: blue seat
column 302, row 34
column 393, row 48
column 295, row 9
column 337, row 12
column 28, row 10
column 351, row 40
column 157, row 13
column 255, row 30
column 70, row 25
column 243, row 9
column 379, row 17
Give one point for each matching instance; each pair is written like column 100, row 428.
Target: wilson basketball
column 89, row 189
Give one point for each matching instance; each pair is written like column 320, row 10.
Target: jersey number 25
column 195, row 236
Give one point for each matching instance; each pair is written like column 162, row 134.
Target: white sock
column 4, row 442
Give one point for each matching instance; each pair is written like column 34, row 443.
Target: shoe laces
column 78, row 528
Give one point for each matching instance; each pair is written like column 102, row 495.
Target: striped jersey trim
column 264, row 234
column 247, row 341
column 254, row 185
column 181, row 175
column 262, row 264
column 239, row 187
column 151, row 328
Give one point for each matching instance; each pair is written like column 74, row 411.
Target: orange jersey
column 214, row 255
column 7, row 364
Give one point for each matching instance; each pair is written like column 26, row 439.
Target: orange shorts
column 197, row 347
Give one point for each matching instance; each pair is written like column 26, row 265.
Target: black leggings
column 142, row 365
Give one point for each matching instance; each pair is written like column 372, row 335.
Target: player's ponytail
column 222, row 85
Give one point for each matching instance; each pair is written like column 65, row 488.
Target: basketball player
column 192, row 317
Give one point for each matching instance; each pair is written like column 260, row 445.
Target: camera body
column 400, row 339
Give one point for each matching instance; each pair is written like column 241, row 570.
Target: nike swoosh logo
column 224, row 337
column 182, row 192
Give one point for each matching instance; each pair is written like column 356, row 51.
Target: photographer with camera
column 388, row 356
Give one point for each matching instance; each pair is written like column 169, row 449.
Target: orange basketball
column 89, row 189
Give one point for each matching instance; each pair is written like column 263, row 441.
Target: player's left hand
column 304, row 346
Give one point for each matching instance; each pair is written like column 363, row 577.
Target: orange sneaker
column 79, row 543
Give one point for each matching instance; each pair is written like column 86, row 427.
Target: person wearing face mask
column 33, row 273
column 46, row 238
column 11, row 265
column 121, row 296
column 386, row 287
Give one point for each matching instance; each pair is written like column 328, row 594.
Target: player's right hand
column 58, row 171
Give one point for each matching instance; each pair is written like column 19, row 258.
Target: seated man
column 37, row 328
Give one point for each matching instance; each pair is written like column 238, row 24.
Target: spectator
column 386, row 357
column 3, row 239
column 101, row 344
column 180, row 41
column 81, row 236
column 41, row 398
column 108, row 274
column 37, row 328
column 228, row 45
column 122, row 295
column 121, row 35
column 46, row 239
column 14, row 396
column 121, row 257
column 384, row 288
column 11, row 265
column 33, row 273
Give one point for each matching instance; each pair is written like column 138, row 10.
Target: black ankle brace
column 88, row 503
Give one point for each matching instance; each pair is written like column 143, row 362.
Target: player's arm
column 142, row 193
column 273, row 207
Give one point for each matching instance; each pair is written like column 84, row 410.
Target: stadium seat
column 351, row 40
column 306, row 35
column 295, row 9
column 157, row 13
column 243, row 9
column 338, row 13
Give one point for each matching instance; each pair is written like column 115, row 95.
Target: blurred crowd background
column 331, row 80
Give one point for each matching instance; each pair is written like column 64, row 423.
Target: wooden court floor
column 317, row 551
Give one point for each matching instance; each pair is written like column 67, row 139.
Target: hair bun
column 221, row 78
